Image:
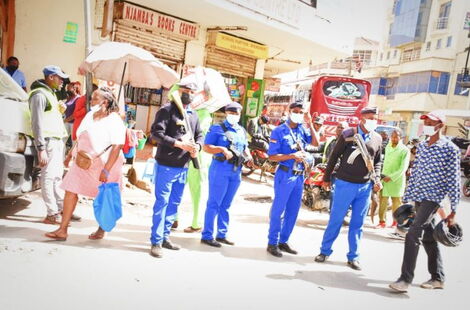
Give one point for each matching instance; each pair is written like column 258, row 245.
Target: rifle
column 365, row 156
column 187, row 125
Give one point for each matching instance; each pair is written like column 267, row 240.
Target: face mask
column 12, row 68
column 232, row 119
column 370, row 125
column 70, row 93
column 297, row 118
column 186, row 98
column 95, row 108
column 429, row 131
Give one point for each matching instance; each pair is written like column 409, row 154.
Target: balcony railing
column 441, row 23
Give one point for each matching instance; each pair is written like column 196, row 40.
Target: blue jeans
column 223, row 185
column 287, row 200
column 356, row 195
column 168, row 193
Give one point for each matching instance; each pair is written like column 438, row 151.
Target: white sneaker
column 399, row 286
column 432, row 284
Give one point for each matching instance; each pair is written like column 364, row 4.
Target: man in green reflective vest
column 48, row 131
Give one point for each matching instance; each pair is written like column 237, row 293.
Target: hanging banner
column 157, row 21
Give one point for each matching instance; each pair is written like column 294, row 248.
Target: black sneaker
column 211, row 242
column 321, row 258
column 286, row 248
column 354, row 264
column 274, row 250
column 156, row 250
column 224, row 240
column 170, row 246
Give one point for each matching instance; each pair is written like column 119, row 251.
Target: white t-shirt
column 104, row 132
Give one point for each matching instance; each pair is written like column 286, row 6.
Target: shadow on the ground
column 12, row 206
column 341, row 280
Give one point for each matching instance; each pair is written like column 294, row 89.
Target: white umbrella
column 212, row 92
column 124, row 63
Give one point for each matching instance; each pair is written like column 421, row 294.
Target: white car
column 18, row 174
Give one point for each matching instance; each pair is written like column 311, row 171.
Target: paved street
column 118, row 272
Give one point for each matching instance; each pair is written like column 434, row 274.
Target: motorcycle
column 260, row 161
column 466, row 188
column 314, row 196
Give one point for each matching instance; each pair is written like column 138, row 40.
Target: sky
column 358, row 18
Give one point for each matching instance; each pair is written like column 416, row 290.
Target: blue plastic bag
column 107, row 205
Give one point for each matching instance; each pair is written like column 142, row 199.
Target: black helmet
column 448, row 236
column 404, row 216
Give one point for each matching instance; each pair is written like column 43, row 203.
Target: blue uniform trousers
column 223, row 185
column 287, row 199
column 168, row 193
column 356, row 195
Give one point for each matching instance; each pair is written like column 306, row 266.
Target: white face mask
column 297, row 118
column 233, row 119
column 370, row 125
column 429, row 130
column 95, row 108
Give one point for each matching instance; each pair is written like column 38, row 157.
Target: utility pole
column 88, row 78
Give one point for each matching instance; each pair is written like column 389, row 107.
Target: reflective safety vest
column 327, row 144
column 53, row 124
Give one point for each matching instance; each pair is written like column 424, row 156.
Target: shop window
column 421, row 82
column 428, row 46
column 449, row 41
column 378, row 86
column 391, row 87
column 460, row 91
column 439, row 44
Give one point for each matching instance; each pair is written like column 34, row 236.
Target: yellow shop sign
column 241, row 46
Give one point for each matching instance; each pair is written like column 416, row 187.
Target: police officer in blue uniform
column 287, row 145
column 228, row 143
column 175, row 150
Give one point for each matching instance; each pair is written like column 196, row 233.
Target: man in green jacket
column 397, row 158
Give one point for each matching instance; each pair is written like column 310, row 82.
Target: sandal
column 191, row 229
column 53, row 235
column 96, row 236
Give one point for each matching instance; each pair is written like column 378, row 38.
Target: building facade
column 420, row 65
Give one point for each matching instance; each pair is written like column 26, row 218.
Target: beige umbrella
column 124, row 63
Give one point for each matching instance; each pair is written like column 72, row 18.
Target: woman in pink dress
column 102, row 135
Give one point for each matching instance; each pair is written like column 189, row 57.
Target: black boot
column 274, row 250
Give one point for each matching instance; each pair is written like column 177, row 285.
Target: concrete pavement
column 118, row 272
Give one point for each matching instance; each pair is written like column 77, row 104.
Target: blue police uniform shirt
column 18, row 76
column 282, row 141
column 216, row 136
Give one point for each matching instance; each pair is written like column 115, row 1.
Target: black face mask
column 70, row 93
column 186, row 98
column 11, row 69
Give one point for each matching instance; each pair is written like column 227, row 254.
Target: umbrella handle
column 122, row 79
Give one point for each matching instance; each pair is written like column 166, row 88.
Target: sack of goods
column 448, row 235
column 404, row 216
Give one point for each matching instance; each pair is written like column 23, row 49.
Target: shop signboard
column 254, row 97
column 273, row 84
column 71, row 32
column 157, row 21
column 241, row 46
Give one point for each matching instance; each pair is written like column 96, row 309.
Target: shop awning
column 295, row 39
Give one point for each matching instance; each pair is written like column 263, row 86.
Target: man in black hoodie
column 353, row 185
column 48, row 131
column 175, row 150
